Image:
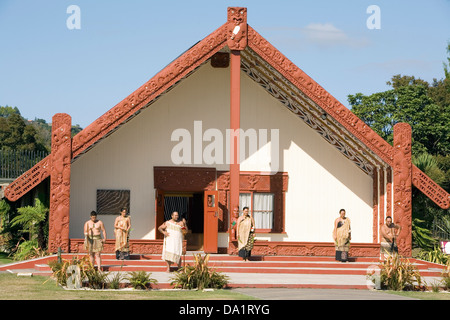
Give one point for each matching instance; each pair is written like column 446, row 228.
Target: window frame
column 255, row 182
column 252, row 209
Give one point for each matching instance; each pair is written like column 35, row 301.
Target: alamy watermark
column 74, row 20
column 374, row 20
column 212, row 146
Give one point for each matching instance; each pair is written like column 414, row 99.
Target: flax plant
column 59, row 269
column 141, row 280
column 446, row 277
column 199, row 276
column 398, row 274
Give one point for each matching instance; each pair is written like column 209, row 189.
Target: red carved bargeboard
column 29, row 179
column 430, row 188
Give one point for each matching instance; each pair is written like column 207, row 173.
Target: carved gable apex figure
column 237, row 28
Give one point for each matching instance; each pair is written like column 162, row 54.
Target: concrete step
column 260, row 271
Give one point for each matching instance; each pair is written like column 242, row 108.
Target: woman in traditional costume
column 342, row 236
column 173, row 231
column 122, row 227
column 245, row 234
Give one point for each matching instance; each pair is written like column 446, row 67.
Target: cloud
column 327, row 35
column 321, row 35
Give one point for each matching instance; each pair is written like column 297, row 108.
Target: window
column 261, row 206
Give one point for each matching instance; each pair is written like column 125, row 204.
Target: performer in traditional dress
column 342, row 236
column 389, row 233
column 173, row 231
column 122, row 227
column 245, row 227
column 93, row 241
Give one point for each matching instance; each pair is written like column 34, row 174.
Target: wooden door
column 159, row 209
column 211, row 218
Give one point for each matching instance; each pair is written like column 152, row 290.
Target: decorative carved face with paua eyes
column 237, row 28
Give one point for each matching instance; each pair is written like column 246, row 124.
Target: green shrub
column 97, row 279
column 199, row 276
column 141, row 280
column 446, row 278
column 398, row 274
column 59, row 269
column 435, row 255
column 114, row 281
column 28, row 250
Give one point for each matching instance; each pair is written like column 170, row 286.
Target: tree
column 409, row 101
column 8, row 111
column 427, row 109
column 15, row 134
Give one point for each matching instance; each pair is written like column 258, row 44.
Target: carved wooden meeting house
column 174, row 143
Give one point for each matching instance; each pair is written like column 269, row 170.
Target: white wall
column 125, row 159
column 321, row 180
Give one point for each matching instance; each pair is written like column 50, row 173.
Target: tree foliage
column 412, row 101
column 16, row 134
column 31, row 218
column 426, row 107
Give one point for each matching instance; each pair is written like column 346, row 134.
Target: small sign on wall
column 112, row 201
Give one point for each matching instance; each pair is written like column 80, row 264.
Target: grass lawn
column 422, row 295
column 4, row 258
column 13, row 287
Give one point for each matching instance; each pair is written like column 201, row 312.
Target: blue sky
column 46, row 68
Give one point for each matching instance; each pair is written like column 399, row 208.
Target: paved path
column 318, row 294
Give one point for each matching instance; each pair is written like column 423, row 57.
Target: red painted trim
column 235, row 116
column 375, row 206
column 382, row 201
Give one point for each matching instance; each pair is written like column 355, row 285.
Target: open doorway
column 190, row 207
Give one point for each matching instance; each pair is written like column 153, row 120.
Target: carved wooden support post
column 403, row 187
column 60, row 183
column 236, row 41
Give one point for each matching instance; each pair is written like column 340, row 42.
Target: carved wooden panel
column 29, row 179
column 430, row 188
column 403, row 187
column 189, row 179
column 236, row 28
column 136, row 246
column 60, row 183
column 112, row 201
column 288, row 248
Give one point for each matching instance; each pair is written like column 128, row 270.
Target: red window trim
column 250, row 181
